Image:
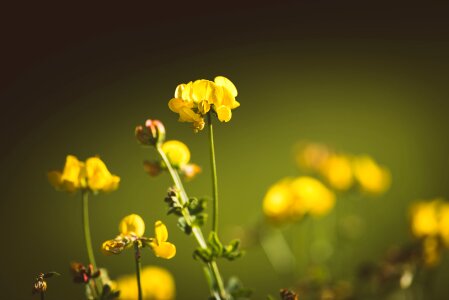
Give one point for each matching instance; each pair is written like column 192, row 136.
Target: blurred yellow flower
column 195, row 99
column 290, row 199
column 98, row 176
column 311, row 196
column 177, row 153
column 132, row 224
column 424, row 217
column 160, row 246
column 157, row 284
column 444, row 222
column 72, row 176
column 278, row 201
column 338, row 172
column 76, row 175
column 372, row 178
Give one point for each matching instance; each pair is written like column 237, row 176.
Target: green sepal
column 196, row 206
column 205, row 254
column 232, row 251
column 215, row 245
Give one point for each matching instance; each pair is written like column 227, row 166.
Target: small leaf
column 182, row 223
column 204, row 254
column 215, row 244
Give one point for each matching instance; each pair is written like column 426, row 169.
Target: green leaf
column 199, row 220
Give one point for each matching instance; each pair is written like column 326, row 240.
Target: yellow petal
column 165, row 250
column 224, row 113
column 188, row 115
column 223, row 81
column 177, row 152
column 187, row 92
column 203, row 107
column 161, row 232
column 112, row 185
column 72, row 174
column 179, row 89
column 203, row 90
column 132, row 224
column 54, row 177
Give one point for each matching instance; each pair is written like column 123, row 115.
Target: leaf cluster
column 216, row 249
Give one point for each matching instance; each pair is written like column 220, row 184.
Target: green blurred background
column 363, row 79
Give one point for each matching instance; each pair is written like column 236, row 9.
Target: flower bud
column 40, row 286
column 152, row 168
column 152, row 134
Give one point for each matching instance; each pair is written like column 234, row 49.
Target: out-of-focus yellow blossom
column 338, row 172
column 160, row 246
column 157, row 284
column 190, row 171
column 290, row 199
column 372, row 178
column 424, row 217
column 72, row 176
column 195, row 99
column 312, row 156
column 177, row 153
column 312, row 196
column 98, row 176
column 132, row 224
column 77, row 175
column 278, row 201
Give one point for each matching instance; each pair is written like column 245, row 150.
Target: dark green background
column 364, row 79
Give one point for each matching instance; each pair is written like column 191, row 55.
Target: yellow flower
column 157, row 284
column 192, row 101
column 115, row 246
column 132, row 224
column 312, row 196
column 160, row 246
column 177, row 153
column 425, row 221
column 98, row 176
column 278, row 201
column 290, row 199
column 77, row 175
column 72, row 176
column 338, row 172
column 373, row 178
column 444, row 223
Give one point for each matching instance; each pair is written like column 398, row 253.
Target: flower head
column 160, row 246
column 91, row 175
column 192, row 101
column 177, row 153
column 157, row 284
column 152, row 133
column 373, row 178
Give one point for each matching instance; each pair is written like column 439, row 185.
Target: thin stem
column 42, row 295
column 86, row 226
column 138, row 267
column 214, row 176
column 219, row 291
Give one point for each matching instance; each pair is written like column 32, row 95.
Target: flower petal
column 161, row 232
column 224, row 113
column 54, row 177
column 223, row 81
column 165, row 250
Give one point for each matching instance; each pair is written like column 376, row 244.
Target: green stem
column 217, row 287
column 86, row 226
column 90, row 253
column 214, row 176
column 138, row 267
column 42, row 295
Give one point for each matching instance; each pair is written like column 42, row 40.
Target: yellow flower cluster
column 132, row 229
column 192, row 101
column 342, row 171
column 430, row 218
column 157, row 284
column 291, row 198
column 77, row 175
